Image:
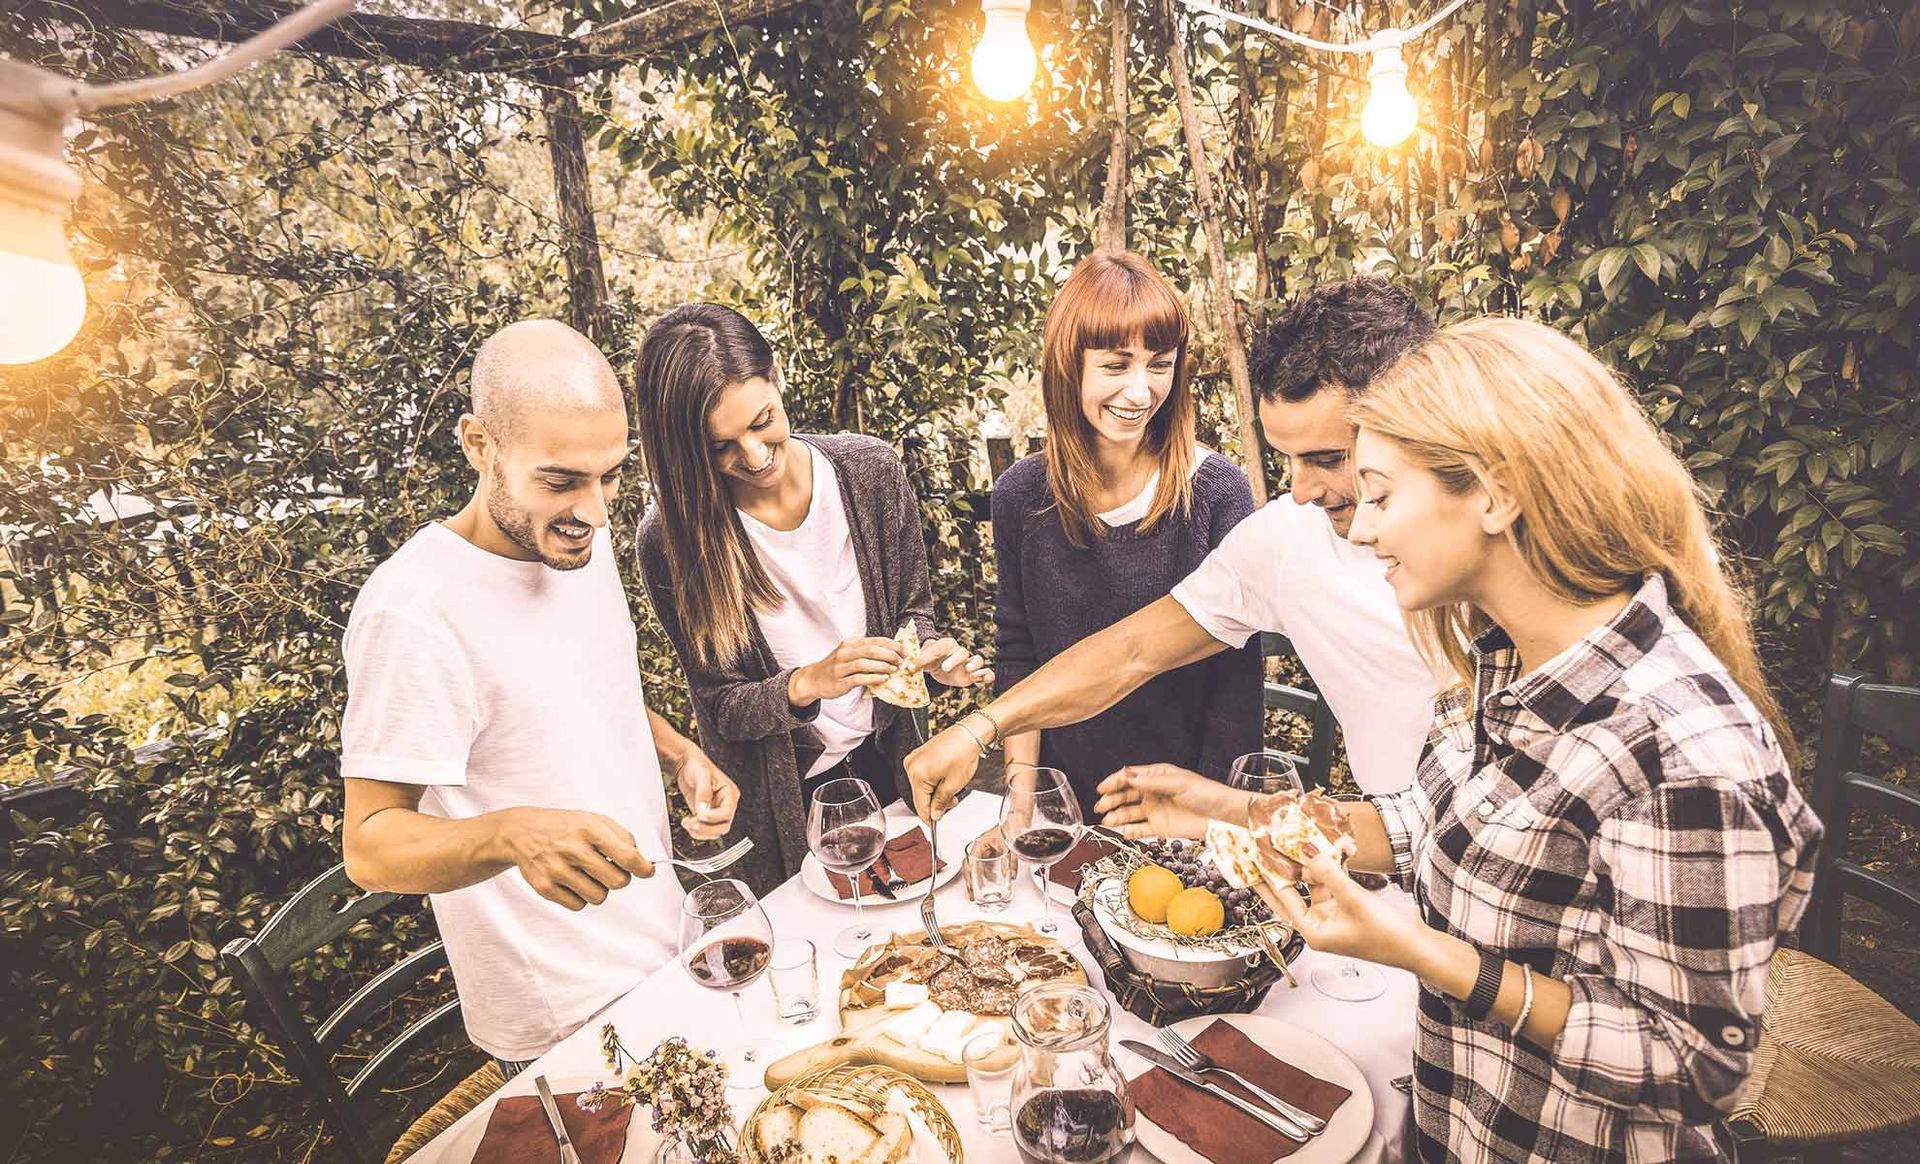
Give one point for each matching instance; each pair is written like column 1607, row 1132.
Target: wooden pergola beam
column 459, row 45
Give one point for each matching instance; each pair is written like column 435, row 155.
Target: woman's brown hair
column 690, row 357
column 1113, row 300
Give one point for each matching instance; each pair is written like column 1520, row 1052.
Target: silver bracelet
column 1526, row 1003
column 977, row 741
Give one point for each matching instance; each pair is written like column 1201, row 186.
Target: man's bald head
column 539, row 367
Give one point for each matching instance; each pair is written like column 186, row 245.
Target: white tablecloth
column 1377, row 1034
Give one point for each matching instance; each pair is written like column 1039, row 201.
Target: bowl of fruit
column 1176, row 916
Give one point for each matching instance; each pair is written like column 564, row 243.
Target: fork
column 1195, row 1059
column 934, row 937
column 715, row 863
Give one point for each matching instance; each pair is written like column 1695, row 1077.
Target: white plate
column 460, row 1144
column 813, row 874
column 1347, row 1130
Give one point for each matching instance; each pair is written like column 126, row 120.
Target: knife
column 880, row 884
column 567, row 1154
column 1171, row 1066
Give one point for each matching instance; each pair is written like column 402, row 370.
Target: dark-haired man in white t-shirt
column 1287, row 568
column 497, row 747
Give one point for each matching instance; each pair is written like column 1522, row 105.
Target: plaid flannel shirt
column 1622, row 819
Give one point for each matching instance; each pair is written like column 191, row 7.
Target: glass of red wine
column 1270, row 772
column 1040, row 818
column 846, row 834
column 725, row 944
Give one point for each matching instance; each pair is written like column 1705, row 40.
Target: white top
column 1284, row 569
column 499, row 684
column 813, row 567
column 1136, row 509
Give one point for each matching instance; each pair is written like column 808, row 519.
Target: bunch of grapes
column 1188, row 861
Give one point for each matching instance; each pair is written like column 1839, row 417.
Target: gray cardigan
column 744, row 720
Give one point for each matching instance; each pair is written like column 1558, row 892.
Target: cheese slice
column 904, row 995
column 948, row 1034
column 910, row 1027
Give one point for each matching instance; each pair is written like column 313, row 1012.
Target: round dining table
column 1376, row 1034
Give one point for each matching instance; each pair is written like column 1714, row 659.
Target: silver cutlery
column 567, row 1154
column 1403, row 1083
column 715, row 863
column 1175, row 1068
column 934, row 937
column 1195, row 1059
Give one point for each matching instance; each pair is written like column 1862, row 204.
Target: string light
column 43, row 300
column 1003, row 61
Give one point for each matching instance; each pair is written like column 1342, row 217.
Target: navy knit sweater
column 1052, row 595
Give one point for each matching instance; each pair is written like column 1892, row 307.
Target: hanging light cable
column 42, row 298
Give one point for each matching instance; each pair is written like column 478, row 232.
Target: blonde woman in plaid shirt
column 1602, row 840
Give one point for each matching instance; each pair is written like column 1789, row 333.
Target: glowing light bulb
column 1390, row 115
column 1003, row 61
column 41, row 307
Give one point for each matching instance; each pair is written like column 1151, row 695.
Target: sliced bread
column 777, row 1127
column 831, row 1134
column 896, row 1139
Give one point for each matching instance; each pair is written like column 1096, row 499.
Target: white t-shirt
column 499, row 684
column 813, row 567
column 1137, row 509
column 1284, row 569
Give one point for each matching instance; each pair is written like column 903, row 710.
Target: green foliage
column 291, row 274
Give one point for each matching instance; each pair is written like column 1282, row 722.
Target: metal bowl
column 1167, row 959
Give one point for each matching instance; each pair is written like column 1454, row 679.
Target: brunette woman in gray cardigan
column 781, row 566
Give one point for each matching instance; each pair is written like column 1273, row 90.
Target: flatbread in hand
column 1284, row 825
column 907, row 686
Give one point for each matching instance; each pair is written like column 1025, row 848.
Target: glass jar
column 1070, row 1103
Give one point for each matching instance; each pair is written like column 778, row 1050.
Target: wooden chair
column 301, row 927
column 1316, row 767
column 1835, row 1062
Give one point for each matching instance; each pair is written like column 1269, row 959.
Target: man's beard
column 514, row 522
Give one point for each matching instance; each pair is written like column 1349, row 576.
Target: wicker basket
column 863, row 1088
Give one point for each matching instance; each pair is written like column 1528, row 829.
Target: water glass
column 990, row 868
column 990, row 1060
column 796, row 981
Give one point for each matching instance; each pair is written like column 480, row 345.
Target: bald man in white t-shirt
column 497, row 748
column 1287, row 568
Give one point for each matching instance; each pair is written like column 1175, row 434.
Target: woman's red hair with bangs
column 1114, row 300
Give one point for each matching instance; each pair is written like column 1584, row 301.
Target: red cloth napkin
column 1215, row 1128
column 518, row 1132
column 908, row 857
column 1094, row 844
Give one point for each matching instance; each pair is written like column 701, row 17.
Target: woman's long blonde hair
column 1603, row 500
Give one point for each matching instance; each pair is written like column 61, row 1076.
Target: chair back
column 1857, row 709
column 1316, row 767
column 309, row 921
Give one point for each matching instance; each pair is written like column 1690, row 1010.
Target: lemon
column 1150, row 889
column 1195, row 913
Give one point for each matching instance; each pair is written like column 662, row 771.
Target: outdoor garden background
column 290, row 272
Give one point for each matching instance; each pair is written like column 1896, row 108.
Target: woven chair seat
column 1835, row 1062
column 465, row 1096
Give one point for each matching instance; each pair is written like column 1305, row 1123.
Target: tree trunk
column 1221, row 277
column 1113, row 212
column 580, row 239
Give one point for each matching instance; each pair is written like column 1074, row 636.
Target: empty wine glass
column 1269, row 772
column 846, row 834
column 725, row 944
column 1040, row 818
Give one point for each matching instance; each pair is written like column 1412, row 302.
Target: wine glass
column 847, row 834
column 725, row 944
column 1040, row 818
column 1269, row 772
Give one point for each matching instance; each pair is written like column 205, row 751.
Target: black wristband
column 1486, row 988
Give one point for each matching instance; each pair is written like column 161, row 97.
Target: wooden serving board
column 861, row 1039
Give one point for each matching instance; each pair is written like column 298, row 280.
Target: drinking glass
column 725, row 944
column 989, row 871
column 1040, row 818
column 1345, row 979
column 795, row 977
column 847, row 834
column 990, row 1060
